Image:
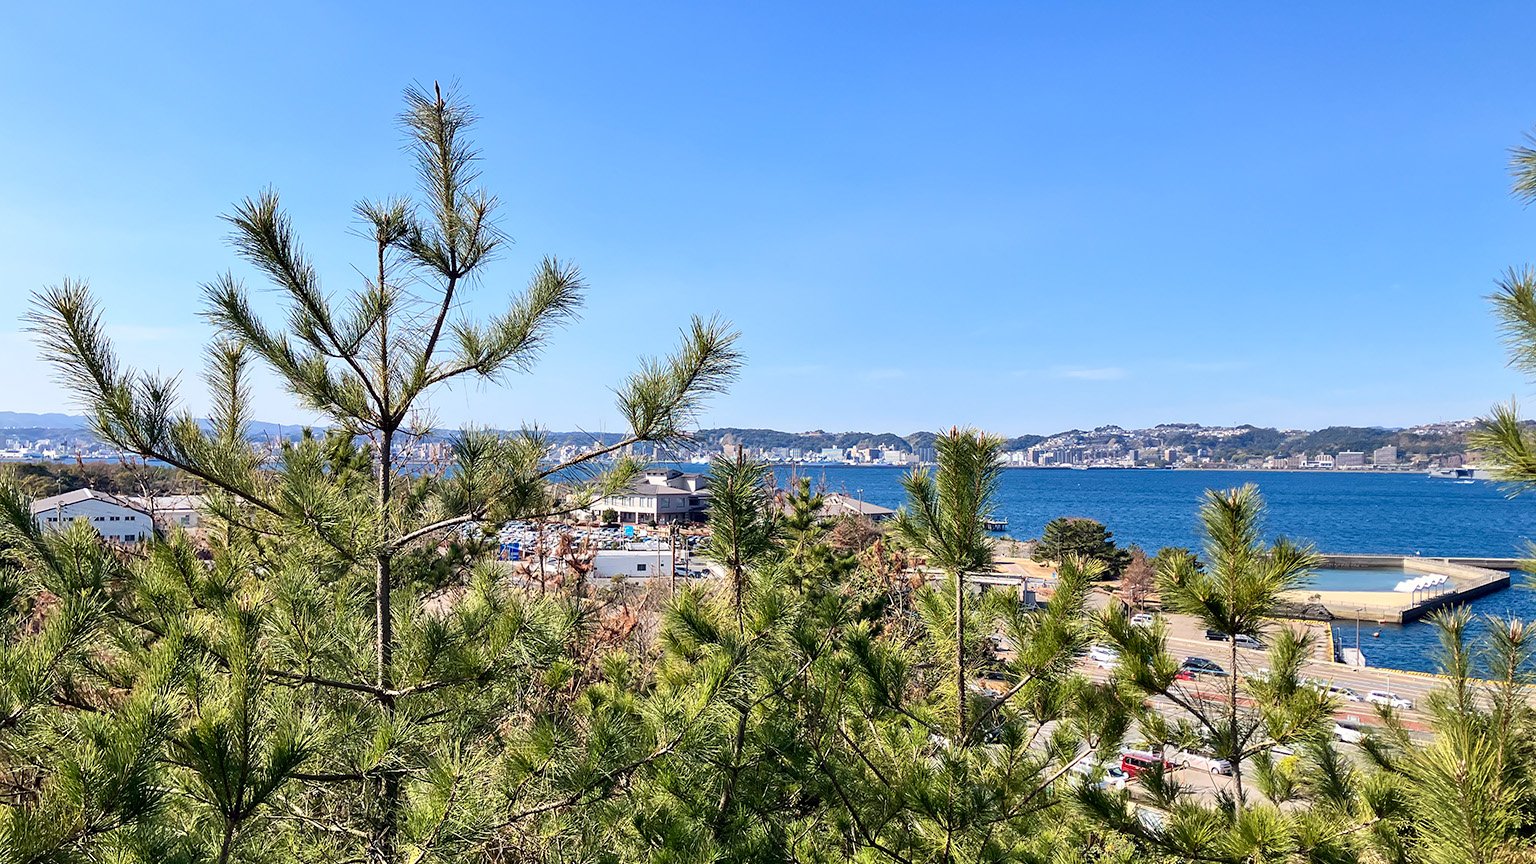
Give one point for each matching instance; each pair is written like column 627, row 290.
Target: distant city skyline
column 1023, row 219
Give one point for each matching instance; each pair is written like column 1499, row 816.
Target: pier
column 1469, row 578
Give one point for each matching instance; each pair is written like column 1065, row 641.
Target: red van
column 1134, row 762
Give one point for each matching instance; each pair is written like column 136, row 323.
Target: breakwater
column 1468, row 579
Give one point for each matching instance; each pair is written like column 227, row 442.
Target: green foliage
column 333, row 671
column 945, row 520
column 42, row 479
column 741, row 520
column 1067, row 536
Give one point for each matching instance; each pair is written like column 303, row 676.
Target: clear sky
column 1002, row 214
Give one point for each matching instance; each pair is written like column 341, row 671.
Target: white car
column 1343, row 693
column 1111, row 777
column 1103, row 655
column 1349, row 733
column 1202, row 760
column 1390, row 699
column 1141, row 619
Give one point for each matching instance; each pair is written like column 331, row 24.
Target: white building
column 170, row 511
column 1385, row 455
column 634, row 563
column 662, row 495
column 115, row 518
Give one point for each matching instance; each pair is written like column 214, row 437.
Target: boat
column 996, row 526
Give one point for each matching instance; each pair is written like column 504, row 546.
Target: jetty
column 1465, row 579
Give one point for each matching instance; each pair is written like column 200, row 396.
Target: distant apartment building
column 1349, row 459
column 865, row 455
column 660, row 496
column 1384, row 455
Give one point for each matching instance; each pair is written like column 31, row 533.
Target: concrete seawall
column 1470, row 578
column 1415, row 563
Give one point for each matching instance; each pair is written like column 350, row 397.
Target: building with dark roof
column 837, row 504
column 660, row 496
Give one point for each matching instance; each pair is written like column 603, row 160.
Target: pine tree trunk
column 384, row 838
column 1237, row 744
column 959, row 657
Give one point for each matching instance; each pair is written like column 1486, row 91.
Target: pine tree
column 741, row 520
column 944, row 519
column 1067, row 535
column 339, row 701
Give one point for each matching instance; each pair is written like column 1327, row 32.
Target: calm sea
column 1338, row 512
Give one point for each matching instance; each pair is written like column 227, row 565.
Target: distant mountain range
column 16, row 421
column 1220, row 442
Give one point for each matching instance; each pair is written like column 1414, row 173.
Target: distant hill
column 1227, row 444
column 20, row 420
column 23, row 420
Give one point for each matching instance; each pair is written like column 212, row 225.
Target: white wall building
column 171, row 510
column 633, row 563
column 115, row 518
column 662, row 495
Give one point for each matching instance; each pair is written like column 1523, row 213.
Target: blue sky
column 1019, row 217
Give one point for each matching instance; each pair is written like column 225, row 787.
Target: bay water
column 1338, row 512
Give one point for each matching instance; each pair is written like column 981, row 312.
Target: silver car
column 1388, row 698
column 1202, row 760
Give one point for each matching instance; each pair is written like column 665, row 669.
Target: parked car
column 1349, row 733
column 1242, row 640
column 994, row 680
column 1202, row 666
column 1390, row 699
column 1105, row 656
column 1141, row 619
column 1135, row 762
column 1111, row 778
column 1343, row 693
column 1201, row 759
